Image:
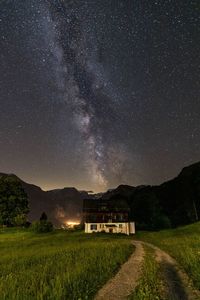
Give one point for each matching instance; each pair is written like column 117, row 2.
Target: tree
column 43, row 225
column 43, row 217
column 13, row 200
column 20, row 220
column 1, row 221
column 161, row 221
column 145, row 208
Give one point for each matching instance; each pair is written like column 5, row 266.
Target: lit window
column 93, row 227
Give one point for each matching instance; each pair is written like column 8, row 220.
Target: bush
column 42, row 226
column 79, row 227
column 20, row 220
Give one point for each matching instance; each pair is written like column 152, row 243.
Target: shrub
column 42, row 226
column 20, row 220
column 78, row 227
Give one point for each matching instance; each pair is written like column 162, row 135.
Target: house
column 107, row 215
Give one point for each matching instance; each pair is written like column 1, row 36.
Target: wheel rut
column 125, row 281
column 176, row 283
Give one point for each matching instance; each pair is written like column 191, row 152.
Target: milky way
column 99, row 93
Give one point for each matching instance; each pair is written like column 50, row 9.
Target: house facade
column 111, row 216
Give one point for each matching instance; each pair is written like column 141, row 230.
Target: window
column 120, row 225
column 93, row 227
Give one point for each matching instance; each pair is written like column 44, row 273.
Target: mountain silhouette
column 175, row 202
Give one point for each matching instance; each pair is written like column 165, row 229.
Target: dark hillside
column 173, row 203
column 60, row 205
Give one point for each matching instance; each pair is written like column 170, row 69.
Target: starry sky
column 97, row 93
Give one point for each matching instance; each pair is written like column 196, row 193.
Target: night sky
column 99, row 93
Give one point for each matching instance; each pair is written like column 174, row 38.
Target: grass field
column 183, row 244
column 58, row 265
column 149, row 285
column 73, row 265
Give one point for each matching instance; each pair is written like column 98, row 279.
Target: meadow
column 181, row 243
column 74, row 265
column 150, row 285
column 58, row 265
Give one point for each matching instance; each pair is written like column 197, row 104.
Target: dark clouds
column 97, row 93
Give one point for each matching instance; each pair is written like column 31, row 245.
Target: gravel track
column 177, row 285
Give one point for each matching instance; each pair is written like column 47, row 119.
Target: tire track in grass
column 150, row 285
column 176, row 283
column 124, row 282
column 133, row 281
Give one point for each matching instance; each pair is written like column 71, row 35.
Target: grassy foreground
column 58, row 265
column 149, row 285
column 183, row 244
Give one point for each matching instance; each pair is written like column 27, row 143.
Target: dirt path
column 125, row 281
column 176, row 283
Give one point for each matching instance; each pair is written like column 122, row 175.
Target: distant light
column 71, row 224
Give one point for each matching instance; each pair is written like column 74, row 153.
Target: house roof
column 105, row 205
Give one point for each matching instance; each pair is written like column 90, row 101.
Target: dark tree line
column 172, row 204
column 14, row 206
column 13, row 202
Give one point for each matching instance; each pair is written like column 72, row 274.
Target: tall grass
column 59, row 265
column 149, row 286
column 183, row 244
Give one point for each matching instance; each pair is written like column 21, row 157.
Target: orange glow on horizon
column 71, row 223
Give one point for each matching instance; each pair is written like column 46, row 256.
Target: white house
column 110, row 216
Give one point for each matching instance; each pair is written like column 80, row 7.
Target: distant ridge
column 59, row 204
column 178, row 198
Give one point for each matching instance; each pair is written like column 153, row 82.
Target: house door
column 110, row 230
